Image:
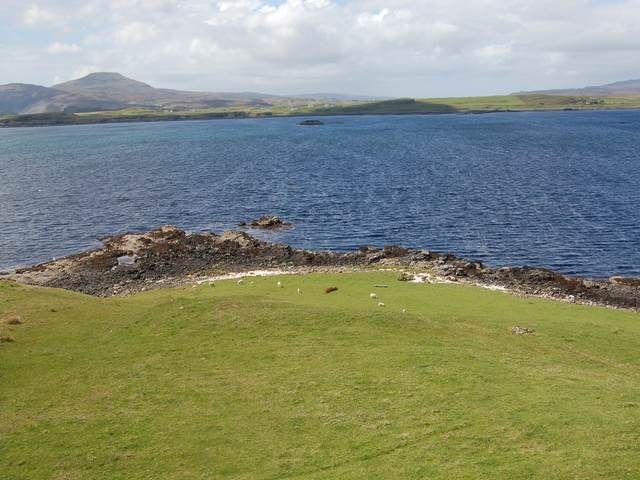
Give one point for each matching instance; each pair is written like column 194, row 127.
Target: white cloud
column 134, row 33
column 61, row 48
column 393, row 47
column 38, row 16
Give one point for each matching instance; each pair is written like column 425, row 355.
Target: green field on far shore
column 402, row 106
column 258, row 382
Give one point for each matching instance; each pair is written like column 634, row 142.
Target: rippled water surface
column 560, row 190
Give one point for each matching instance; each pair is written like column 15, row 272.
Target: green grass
column 256, row 382
column 536, row 102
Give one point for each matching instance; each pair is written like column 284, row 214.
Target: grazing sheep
column 241, row 281
column 14, row 320
column 381, row 304
column 373, row 296
column 404, row 310
column 280, row 285
column 300, row 291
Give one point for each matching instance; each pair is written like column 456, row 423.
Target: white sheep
column 300, row 291
column 381, row 305
column 241, row 281
column 280, row 285
column 373, row 296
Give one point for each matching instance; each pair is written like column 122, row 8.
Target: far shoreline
column 67, row 120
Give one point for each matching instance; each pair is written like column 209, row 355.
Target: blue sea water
column 560, row 190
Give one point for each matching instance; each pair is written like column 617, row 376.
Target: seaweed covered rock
column 268, row 222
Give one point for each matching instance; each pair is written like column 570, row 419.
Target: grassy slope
column 255, row 382
column 402, row 105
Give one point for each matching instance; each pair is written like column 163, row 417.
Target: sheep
column 381, row 305
column 300, row 291
column 241, row 281
column 280, row 285
column 373, row 296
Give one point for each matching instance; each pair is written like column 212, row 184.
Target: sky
column 417, row 48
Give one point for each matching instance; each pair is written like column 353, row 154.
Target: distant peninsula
column 108, row 97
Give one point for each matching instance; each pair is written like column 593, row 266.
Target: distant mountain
column 114, row 87
column 20, row 98
column 109, row 91
column 109, row 86
column 627, row 87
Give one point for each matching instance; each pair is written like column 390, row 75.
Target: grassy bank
column 260, row 382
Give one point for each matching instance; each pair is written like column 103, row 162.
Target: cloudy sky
column 417, row 48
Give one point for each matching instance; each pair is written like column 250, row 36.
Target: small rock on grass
column 522, row 331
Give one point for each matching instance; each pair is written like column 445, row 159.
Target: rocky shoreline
column 168, row 256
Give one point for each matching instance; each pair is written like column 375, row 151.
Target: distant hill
column 627, row 87
column 20, row 98
column 109, row 86
column 24, row 98
column 109, row 91
column 114, row 87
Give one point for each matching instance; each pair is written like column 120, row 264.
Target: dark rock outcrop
column 311, row 123
column 167, row 256
column 268, row 222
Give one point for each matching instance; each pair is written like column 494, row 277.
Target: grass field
column 257, row 382
column 484, row 104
